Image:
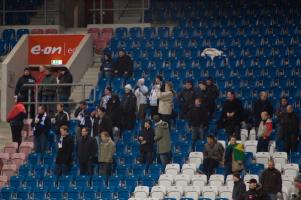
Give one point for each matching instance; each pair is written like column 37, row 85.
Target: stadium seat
column 210, row 192
column 9, row 170
column 280, row 158
column 166, row 180
column 182, row 180
column 3, row 181
column 158, row 192
column 225, row 192
column 172, row 169
column 174, row 192
column 291, row 169
column 263, row 158
column 251, row 146
column 23, row 192
column 18, row 159
column 11, row 148
column 189, row 169
column 216, row 180
column 199, row 180
column 5, row 157
column 141, row 192
column 196, row 158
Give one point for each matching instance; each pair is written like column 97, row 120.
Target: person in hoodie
column 262, row 104
column 141, row 93
column 61, row 118
column 113, row 111
column 64, row 92
column 48, row 93
column 123, row 66
column 24, row 91
column 186, row 98
column 128, row 107
column 15, row 118
column 198, row 121
column 90, row 122
column 239, row 188
column 86, row 151
column 231, row 116
column 146, row 139
column 290, row 126
column 41, row 125
column 264, row 131
column 162, row 139
column 106, row 97
column 64, row 157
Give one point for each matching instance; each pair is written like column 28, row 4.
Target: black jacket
column 212, row 92
column 203, row 94
column 128, row 108
column 102, row 124
column 290, row 125
column 239, row 190
column 65, row 78
column 86, row 149
column 186, row 99
column 231, row 106
column 113, row 111
column 64, row 154
column 260, row 106
column 83, row 114
column 43, row 126
column 271, row 181
column 61, row 118
column 255, row 194
column 21, row 89
column 148, row 136
column 198, row 116
column 124, row 64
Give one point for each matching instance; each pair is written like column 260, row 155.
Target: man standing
column 271, row 181
column 239, row 189
column 64, row 156
column 262, row 104
column 102, row 122
column 162, row 138
column 198, row 120
column 64, row 92
column 106, row 151
column 61, row 118
column 255, row 192
column 128, row 106
column 186, row 98
column 41, row 125
column 123, row 66
column 213, row 93
column 86, row 151
column 81, row 114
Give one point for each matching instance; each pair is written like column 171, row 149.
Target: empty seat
column 229, row 180
column 216, row 180
column 199, row 180
column 158, row 192
column 182, row 180
column 280, row 157
column 287, row 181
column 3, row 181
column 251, row 146
column 226, row 192
column 291, row 169
column 192, row 192
column 210, row 192
column 37, row 31
column 166, row 180
column 4, row 157
column 18, row 159
column 11, row 148
column 174, row 192
column 9, row 170
column 189, row 169
column 196, row 158
column 263, row 158
column 172, row 169
column 26, row 148
column 141, row 192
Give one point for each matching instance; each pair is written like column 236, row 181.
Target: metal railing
column 101, row 10
column 36, row 102
column 45, row 11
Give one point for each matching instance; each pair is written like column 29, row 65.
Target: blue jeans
column 49, row 98
column 40, row 143
column 61, row 169
column 197, row 134
column 272, row 196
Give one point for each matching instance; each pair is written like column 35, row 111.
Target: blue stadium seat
column 98, row 181
column 8, row 34
column 34, row 158
column 6, row 192
column 21, row 32
column 107, row 193
column 16, row 181
column 25, row 170
column 135, row 32
column 65, row 181
column 124, row 193
column 74, row 192
column 56, row 192
column 122, row 170
column 149, row 32
column 40, row 170
column 147, row 181
column 23, row 192
column 82, row 181
column 40, row 192
column 49, row 181
column 32, row 181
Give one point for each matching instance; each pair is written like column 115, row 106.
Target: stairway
column 90, row 77
column 5, row 134
column 52, row 17
column 131, row 16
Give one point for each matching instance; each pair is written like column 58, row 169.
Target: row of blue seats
column 9, row 34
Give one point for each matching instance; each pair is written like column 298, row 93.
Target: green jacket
column 48, row 90
column 162, row 137
column 106, row 151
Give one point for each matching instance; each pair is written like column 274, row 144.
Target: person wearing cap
column 102, row 122
column 213, row 155
column 239, row 188
column 106, row 97
column 15, row 118
column 162, row 139
column 123, row 66
column 24, row 91
column 141, row 93
column 64, row 92
column 81, row 113
column 213, row 94
column 128, row 107
column 255, row 192
column 146, row 139
column 271, row 181
column 186, row 98
column 113, row 111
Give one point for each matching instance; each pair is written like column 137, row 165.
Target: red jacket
column 17, row 109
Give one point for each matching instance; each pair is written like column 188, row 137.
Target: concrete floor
column 5, row 134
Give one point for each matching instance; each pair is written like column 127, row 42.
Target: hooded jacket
column 21, row 89
column 165, row 102
column 162, row 137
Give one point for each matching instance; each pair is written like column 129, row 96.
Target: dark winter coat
column 113, row 111
column 162, row 137
column 17, row 115
column 212, row 92
column 64, row 79
column 48, row 90
column 82, row 114
column 231, row 106
column 239, row 190
column 64, row 154
column 255, row 194
column 260, row 106
column 86, row 148
column 271, row 181
column 203, row 94
column 186, row 99
column 148, row 137
column 21, row 89
column 198, row 116
column 61, row 118
column 128, row 107
column 290, row 125
column 102, row 124
column 41, row 127
column 124, row 64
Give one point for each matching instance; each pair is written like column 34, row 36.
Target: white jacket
column 141, row 95
column 153, row 98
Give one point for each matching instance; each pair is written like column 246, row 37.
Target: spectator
column 61, row 118
column 64, row 92
column 262, row 104
column 239, row 189
column 105, row 155
column 48, row 92
column 23, row 91
column 141, row 95
column 91, row 122
column 41, row 75
column 280, row 111
column 81, row 113
column 271, row 181
column 106, row 67
column 162, row 139
column 86, row 151
column 123, row 66
column 213, row 93
column 264, row 131
column 113, row 111
column 186, row 98
column 201, row 92
column 231, row 116
column 103, row 122
column 64, row 156
column 234, row 157
column 15, row 118
column 290, row 126
column 255, row 192
column 41, row 126
column 128, row 106
column 297, row 184
column 213, row 155
column 198, row 121
column 166, row 102
column 153, row 98
column 106, row 97
column 146, row 140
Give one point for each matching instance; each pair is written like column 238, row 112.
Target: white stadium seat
column 252, row 135
column 158, row 192
column 263, row 158
column 175, row 192
column 244, row 134
column 182, row 180
column 250, row 176
column 210, row 192
column 251, row 146
column 226, row 192
column 199, row 180
column 229, row 180
column 196, row 157
column 189, row 169
column 192, row 192
column 216, row 180
column 141, row 192
column 172, row 169
column 166, row 180
column 287, row 181
column 291, row 169
column 223, row 142
column 280, row 157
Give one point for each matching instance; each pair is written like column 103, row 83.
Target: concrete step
column 5, row 134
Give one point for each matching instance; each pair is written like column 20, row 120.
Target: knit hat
column 253, row 180
column 141, row 81
column 128, row 86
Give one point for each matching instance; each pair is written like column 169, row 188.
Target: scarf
column 42, row 121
